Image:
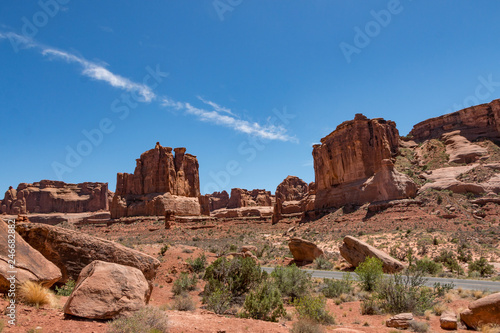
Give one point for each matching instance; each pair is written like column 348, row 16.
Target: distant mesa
column 48, row 196
column 162, row 181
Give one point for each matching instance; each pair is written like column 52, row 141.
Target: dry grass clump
column 306, row 326
column 490, row 328
column 34, row 294
column 147, row 320
column 183, row 302
column 439, row 308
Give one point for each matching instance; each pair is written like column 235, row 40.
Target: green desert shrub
column 428, row 266
column 292, row 281
column 482, row 267
column 264, row 303
column 184, row 283
column 322, row 263
column 66, row 289
column 198, row 264
column 406, row 292
column 334, row 288
column 370, row 273
column 148, row 319
column 217, row 299
column 313, row 308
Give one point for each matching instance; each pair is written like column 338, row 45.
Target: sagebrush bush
column 370, row 306
column 183, row 302
column 264, row 303
column 34, row 294
column 147, row 320
column 450, row 261
column 406, row 292
column 292, row 281
column 322, row 263
column 334, row 288
column 428, row 266
column 313, row 308
column 238, row 275
column 482, row 267
column 370, row 273
column 184, row 283
column 198, row 264
column 217, row 299
column 66, row 289
column 419, row 326
column 306, row 326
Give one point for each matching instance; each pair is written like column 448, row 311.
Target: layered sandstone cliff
column 48, row 196
column 162, row 181
column 474, row 122
column 354, row 164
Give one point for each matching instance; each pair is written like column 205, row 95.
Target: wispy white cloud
column 216, row 106
column 90, row 69
column 270, row 132
column 219, row 115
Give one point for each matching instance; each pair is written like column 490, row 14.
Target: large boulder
column 356, row 251
column 158, row 172
column 49, row 196
column 106, row 291
column 71, row 250
column 401, row 321
column 30, row 265
column 354, row 164
column 483, row 311
column 303, row 250
column 292, row 188
column 448, row 320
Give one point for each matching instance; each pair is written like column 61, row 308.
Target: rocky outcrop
column 401, row 321
column 161, row 181
column 28, row 263
column 71, row 250
column 356, row 251
column 460, row 149
column 48, row 196
column 244, row 198
column 218, row 200
column 303, row 250
column 292, row 188
column 255, row 211
column 354, row 164
column 106, row 291
column 448, row 320
column 473, row 122
column 482, row 311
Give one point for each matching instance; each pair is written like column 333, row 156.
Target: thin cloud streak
column 269, row 132
column 90, row 69
column 219, row 115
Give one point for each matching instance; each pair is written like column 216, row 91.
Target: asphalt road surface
column 458, row 283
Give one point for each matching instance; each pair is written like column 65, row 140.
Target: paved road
column 459, row 283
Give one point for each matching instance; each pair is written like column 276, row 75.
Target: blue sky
column 246, row 86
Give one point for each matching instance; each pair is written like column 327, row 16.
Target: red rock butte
column 161, row 181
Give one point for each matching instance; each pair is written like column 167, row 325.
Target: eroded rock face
column 356, row 251
column 292, row 188
column 244, row 198
column 218, row 200
column 474, row 122
column 161, row 181
column 303, row 250
column 353, row 164
column 71, row 250
column 48, row 196
column 460, row 149
column 483, row 311
column 106, row 291
column 30, row 265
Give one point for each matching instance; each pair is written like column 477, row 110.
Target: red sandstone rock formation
column 161, row 181
column 292, row 188
column 218, row 200
column 353, row 164
column 244, row 198
column 48, row 196
column 477, row 121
